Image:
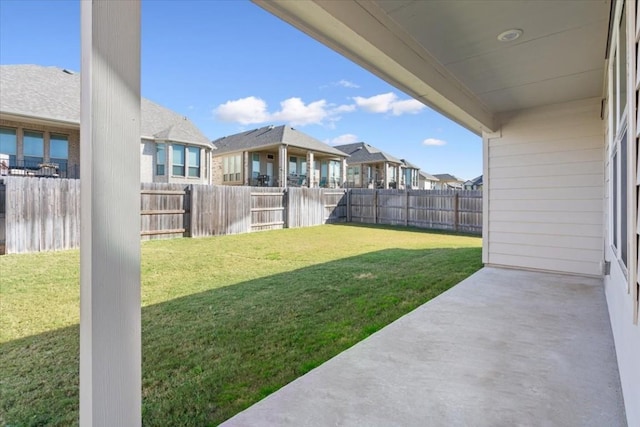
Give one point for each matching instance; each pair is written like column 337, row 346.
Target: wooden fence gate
column 164, row 211
column 268, row 208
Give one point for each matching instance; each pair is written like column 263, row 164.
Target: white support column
column 110, row 339
column 343, row 172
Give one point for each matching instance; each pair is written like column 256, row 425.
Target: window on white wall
column 618, row 121
column 193, row 160
column 186, row 161
column 161, row 159
column 178, row 160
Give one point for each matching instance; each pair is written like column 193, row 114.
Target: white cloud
column 295, row 112
column 408, row 106
column 346, row 108
column 389, row 103
column 244, row 111
column 347, row 138
column 347, row 83
column 433, row 142
column 377, row 103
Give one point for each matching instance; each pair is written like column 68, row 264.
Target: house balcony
column 503, row 347
column 38, row 169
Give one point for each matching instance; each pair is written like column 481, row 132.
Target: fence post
column 285, row 206
column 406, row 210
column 348, row 194
column 191, row 191
column 375, row 206
column 456, row 211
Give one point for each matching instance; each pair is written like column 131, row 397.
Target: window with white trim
column 161, row 159
column 232, row 168
column 618, row 121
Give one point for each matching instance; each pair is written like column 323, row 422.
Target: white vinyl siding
column 545, row 189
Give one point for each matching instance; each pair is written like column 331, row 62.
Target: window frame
column 619, row 144
column 33, row 161
column 174, row 148
column 61, row 162
column 232, row 168
column 12, row 157
column 161, row 159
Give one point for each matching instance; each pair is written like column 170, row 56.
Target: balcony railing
column 28, row 168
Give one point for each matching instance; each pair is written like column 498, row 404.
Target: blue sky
column 230, row 66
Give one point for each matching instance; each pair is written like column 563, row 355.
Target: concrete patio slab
column 502, row 348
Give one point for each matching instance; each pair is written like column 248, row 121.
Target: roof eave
column 45, row 121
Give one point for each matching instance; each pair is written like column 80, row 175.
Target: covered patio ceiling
column 447, row 54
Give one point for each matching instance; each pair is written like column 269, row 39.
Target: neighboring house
column 40, row 130
column 368, row 167
column 427, row 182
column 409, row 176
column 473, row 184
column 277, row 156
column 448, row 182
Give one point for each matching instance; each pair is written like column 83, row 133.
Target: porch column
column 343, row 172
column 245, row 168
column 110, row 355
column 282, row 170
column 386, row 176
column 311, row 169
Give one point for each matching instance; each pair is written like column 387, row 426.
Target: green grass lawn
column 225, row 320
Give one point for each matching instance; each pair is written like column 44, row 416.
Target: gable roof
column 428, row 177
column 269, row 136
column 409, row 165
column 475, row 181
column 53, row 94
column 447, row 177
column 361, row 152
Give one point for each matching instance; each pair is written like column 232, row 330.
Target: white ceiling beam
column 362, row 32
column 110, row 332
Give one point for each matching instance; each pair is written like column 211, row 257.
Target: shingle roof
column 475, row 181
column 447, row 177
column 269, row 136
column 428, row 177
column 361, row 152
column 51, row 93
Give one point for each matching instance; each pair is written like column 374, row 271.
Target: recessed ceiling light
column 510, row 35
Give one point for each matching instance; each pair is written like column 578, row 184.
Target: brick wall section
column 72, row 133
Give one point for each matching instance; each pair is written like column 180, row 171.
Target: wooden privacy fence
column 41, row 214
column 435, row 209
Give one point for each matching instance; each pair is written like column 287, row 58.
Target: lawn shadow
column 206, row 356
column 408, row 228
